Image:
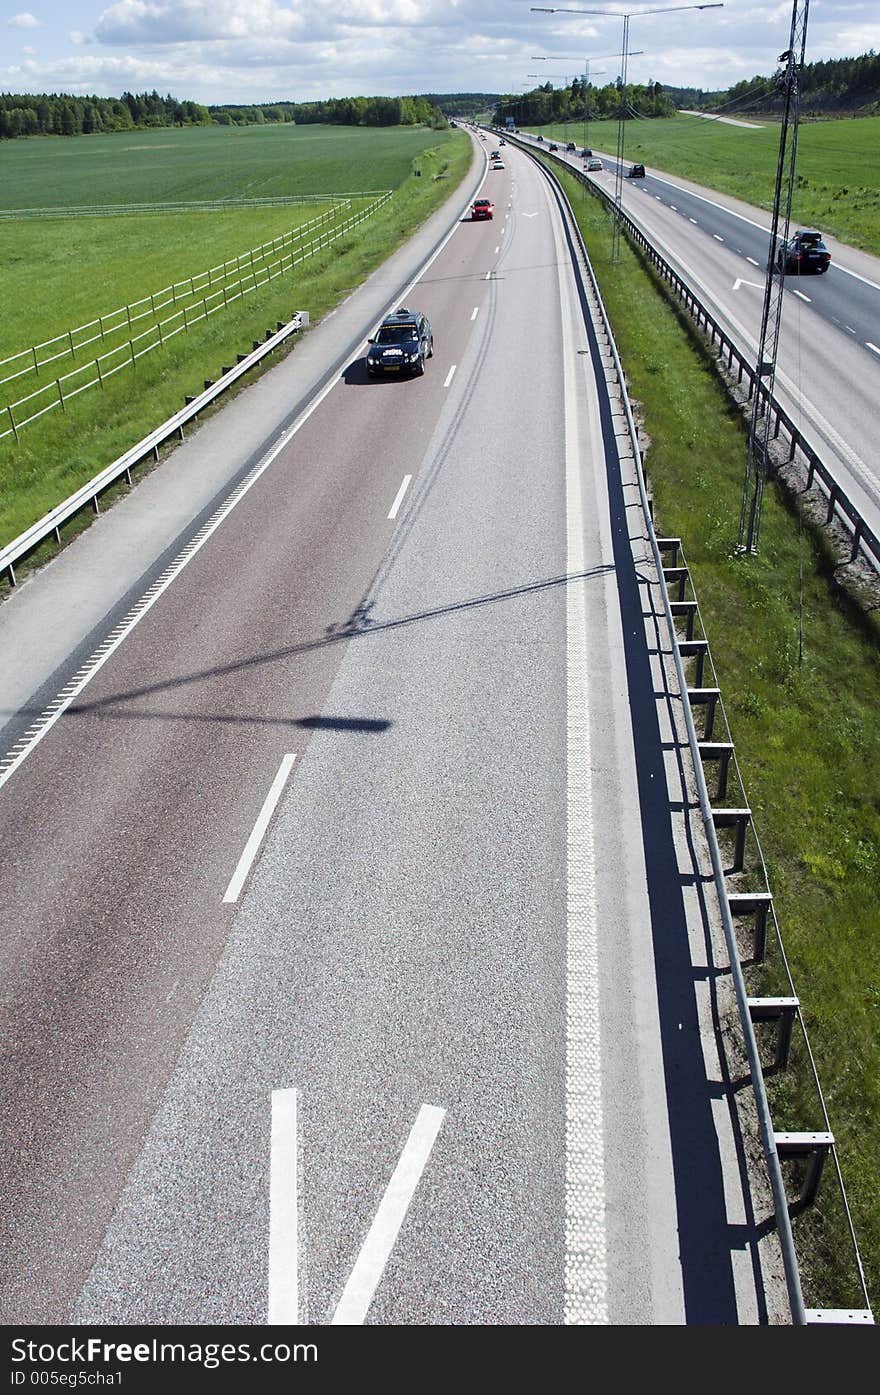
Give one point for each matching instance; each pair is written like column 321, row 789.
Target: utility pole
column 758, row 460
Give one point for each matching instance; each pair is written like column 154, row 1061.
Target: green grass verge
column 807, row 735
column 837, row 177
column 62, row 451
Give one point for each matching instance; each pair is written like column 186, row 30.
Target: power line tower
column 788, row 82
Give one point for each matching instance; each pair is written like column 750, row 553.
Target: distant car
column 495, row 155
column 498, row 164
column 401, row 344
column 540, row 138
column 571, row 145
column 636, row 172
column 586, row 152
column 806, row 251
column 482, row 208
column 594, row 163
column 502, row 142
column 552, row 146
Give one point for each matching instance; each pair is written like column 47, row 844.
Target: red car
column 483, row 208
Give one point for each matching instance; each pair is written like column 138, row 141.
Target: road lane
column 123, row 827
column 405, row 938
column 403, row 941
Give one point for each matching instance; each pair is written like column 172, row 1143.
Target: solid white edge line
column 283, row 1309
column 585, row 1273
column 252, row 846
column 449, row 376
column 407, row 479
column 370, row 1265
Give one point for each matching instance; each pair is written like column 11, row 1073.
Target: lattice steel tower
column 788, row 81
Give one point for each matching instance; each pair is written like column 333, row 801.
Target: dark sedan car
column 806, row 251
column 401, row 344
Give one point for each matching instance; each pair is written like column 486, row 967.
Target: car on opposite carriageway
column 805, row 251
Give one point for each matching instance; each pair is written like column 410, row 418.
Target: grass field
column 208, row 162
column 806, row 735
column 63, row 271
column 837, row 171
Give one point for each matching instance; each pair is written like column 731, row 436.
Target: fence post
column 60, row 394
column 70, row 341
column 12, row 423
column 36, row 361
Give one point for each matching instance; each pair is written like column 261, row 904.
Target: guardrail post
column 783, row 1012
column 722, row 751
column 740, row 820
column 813, row 1147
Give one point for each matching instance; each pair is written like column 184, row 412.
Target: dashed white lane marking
column 802, row 296
column 252, row 847
column 717, row 238
column 370, row 1266
column 449, row 376
column 497, row 250
column 694, row 221
column 407, row 479
column 586, row 1281
column 283, row 1213
column 673, row 207
column 475, row 312
column 752, row 260
column 872, row 347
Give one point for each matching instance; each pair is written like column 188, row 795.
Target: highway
column 828, row 374
column 358, row 950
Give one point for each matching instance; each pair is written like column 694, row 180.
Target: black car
column 401, row 344
column 552, row 146
column 636, row 172
column 806, row 251
column 571, row 145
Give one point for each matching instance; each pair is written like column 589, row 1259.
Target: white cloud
column 25, row 20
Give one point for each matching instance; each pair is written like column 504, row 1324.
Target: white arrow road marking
column 740, row 282
column 252, row 846
column 364, row 1279
column 283, row 1213
column 400, row 493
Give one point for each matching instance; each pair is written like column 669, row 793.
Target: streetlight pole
column 615, row 14
column 598, row 57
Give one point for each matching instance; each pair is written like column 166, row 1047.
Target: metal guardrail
column 51, row 523
column 774, row 1143
column 862, row 536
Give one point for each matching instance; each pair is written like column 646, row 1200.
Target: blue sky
column 265, row 50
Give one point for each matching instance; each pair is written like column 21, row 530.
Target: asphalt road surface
column 828, row 372
column 358, row 958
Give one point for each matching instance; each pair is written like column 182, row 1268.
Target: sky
column 216, row 51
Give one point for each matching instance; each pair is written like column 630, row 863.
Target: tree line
column 832, row 84
column 336, row 111
column 580, row 101
column 58, row 114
